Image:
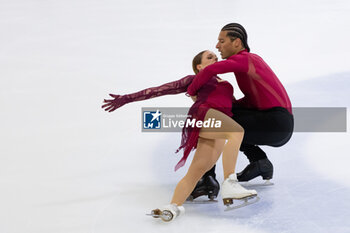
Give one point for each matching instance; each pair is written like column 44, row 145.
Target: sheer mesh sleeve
column 171, row 88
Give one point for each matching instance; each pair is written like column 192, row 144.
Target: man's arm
column 222, row 67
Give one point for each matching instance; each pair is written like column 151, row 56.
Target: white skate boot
column 168, row 212
column 232, row 190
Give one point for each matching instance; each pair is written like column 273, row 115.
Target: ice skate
column 213, row 187
column 262, row 167
column 206, row 186
column 232, row 190
column 168, row 212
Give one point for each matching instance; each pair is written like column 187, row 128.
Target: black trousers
column 271, row 127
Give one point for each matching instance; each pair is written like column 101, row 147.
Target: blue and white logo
column 152, row 119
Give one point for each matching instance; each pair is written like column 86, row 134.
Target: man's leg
column 272, row 127
column 259, row 164
column 269, row 127
column 253, row 152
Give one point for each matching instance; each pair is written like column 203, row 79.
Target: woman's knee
column 199, row 168
column 236, row 134
column 241, row 133
column 205, row 142
column 204, row 167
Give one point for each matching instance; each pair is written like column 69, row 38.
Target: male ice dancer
column 265, row 111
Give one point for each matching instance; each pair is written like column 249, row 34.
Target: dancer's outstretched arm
column 171, row 88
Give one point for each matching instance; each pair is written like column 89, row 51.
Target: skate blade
column 165, row 215
column 267, row 183
column 201, row 200
column 242, row 202
column 250, row 185
column 208, row 201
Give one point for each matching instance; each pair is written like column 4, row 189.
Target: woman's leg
column 229, row 130
column 205, row 156
column 207, row 153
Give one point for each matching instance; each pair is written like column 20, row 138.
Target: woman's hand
column 112, row 104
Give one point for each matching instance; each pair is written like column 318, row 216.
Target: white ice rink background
column 67, row 166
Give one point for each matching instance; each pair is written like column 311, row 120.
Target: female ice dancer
column 213, row 100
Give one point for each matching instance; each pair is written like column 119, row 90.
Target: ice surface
column 67, row 166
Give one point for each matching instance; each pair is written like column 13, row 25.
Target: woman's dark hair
column 196, row 61
column 235, row 30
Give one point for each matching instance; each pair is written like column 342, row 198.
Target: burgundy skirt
column 190, row 134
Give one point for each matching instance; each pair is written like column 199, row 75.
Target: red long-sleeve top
column 259, row 84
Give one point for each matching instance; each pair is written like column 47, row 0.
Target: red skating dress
column 215, row 93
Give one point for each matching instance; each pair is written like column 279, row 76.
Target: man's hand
column 194, row 98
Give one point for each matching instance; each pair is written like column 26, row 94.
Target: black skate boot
column 262, row 167
column 206, row 186
column 213, row 187
column 199, row 190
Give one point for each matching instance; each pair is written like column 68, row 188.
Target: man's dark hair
column 235, row 30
